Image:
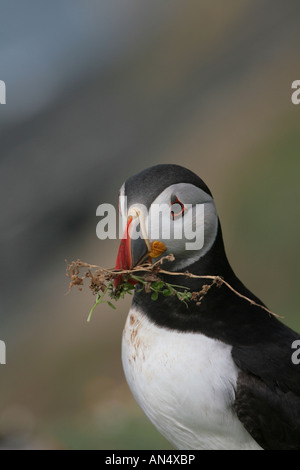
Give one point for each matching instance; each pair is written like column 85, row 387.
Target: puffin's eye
column 177, row 207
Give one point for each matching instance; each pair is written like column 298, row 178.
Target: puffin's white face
column 182, row 216
column 191, row 216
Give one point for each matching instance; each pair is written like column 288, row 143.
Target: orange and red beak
column 131, row 251
column 124, row 254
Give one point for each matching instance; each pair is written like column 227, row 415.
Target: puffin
column 215, row 374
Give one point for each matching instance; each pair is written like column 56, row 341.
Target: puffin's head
column 172, row 205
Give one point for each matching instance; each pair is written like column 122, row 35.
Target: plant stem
column 99, row 301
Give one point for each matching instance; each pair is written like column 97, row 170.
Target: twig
column 109, row 274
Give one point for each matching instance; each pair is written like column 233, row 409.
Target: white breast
column 185, row 383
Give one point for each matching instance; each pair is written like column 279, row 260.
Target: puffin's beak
column 131, row 251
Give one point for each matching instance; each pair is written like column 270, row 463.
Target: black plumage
column 267, row 395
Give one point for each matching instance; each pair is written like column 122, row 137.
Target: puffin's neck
column 219, row 308
column 214, row 262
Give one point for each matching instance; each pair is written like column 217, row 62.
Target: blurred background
column 97, row 91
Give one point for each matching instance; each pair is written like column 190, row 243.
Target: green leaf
column 112, row 305
column 154, row 296
column 158, row 285
column 167, row 292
